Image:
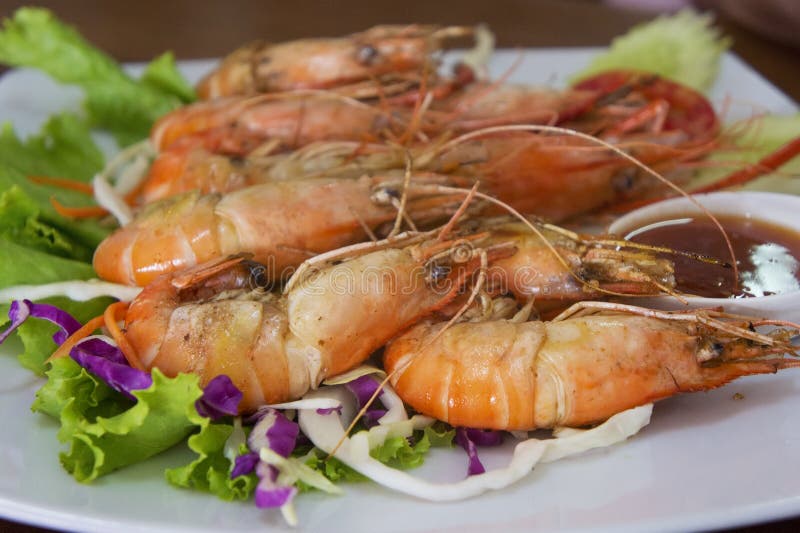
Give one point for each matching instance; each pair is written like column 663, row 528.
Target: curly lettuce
column 115, row 102
column 37, row 245
column 64, row 149
column 104, row 430
column 210, row 471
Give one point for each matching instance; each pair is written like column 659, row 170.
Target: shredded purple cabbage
column 485, row 437
column 363, row 388
column 21, row 310
column 330, row 410
column 470, row 439
column 268, row 493
column 274, row 431
column 282, row 435
column 244, row 464
column 372, row 416
column 106, row 361
column 220, row 398
column 279, row 434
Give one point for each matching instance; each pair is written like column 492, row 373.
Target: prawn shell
column 168, row 236
column 473, row 375
column 354, row 308
column 320, row 63
column 483, row 105
column 576, row 372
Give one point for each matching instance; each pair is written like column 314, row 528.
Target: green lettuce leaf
column 70, row 385
column 20, row 265
column 440, row 435
column 210, row 471
column 37, row 245
column 103, row 432
column 25, row 224
column 332, row 468
column 684, row 47
column 396, row 452
column 162, row 75
column 115, row 102
column 37, row 335
column 63, row 149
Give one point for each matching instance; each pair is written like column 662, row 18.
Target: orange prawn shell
column 276, row 348
column 281, row 223
column 320, row 63
column 523, row 376
column 241, row 339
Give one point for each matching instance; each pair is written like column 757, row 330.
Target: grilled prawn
column 219, row 318
column 282, row 223
column 522, row 375
column 394, row 53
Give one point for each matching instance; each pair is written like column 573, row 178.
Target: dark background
column 140, row 30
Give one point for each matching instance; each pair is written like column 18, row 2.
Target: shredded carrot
column 77, row 212
column 85, row 330
column 63, row 183
column 110, row 317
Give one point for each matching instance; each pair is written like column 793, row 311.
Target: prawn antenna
column 539, row 128
column 401, row 205
column 536, row 231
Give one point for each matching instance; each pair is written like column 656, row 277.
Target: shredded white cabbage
column 108, row 198
column 327, row 432
column 396, row 410
column 235, row 441
column 478, row 57
column 133, row 175
column 351, row 375
column 307, row 403
column 129, row 167
column 78, row 290
column 292, row 469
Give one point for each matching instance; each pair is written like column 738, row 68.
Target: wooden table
column 137, row 31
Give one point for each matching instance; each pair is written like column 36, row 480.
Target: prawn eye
column 438, row 273
column 367, row 54
column 385, row 195
column 258, row 276
column 624, row 180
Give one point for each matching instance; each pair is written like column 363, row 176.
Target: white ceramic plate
column 706, row 460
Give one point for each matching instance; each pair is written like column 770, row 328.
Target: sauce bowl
column 773, row 208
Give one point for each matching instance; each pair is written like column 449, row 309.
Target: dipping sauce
column 767, row 255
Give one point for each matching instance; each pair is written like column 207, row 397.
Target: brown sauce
column 767, row 255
